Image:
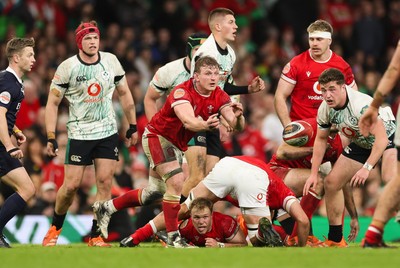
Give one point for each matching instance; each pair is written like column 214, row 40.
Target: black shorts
column 7, row 163
column 361, row 155
column 83, row 152
column 199, row 139
column 214, row 146
column 398, row 153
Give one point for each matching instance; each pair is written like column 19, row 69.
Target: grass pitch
column 153, row 255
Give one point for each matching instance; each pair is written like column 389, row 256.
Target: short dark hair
column 201, row 203
column 16, row 45
column 205, row 61
column 331, row 74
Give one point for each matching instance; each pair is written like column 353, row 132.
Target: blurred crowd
column 145, row 35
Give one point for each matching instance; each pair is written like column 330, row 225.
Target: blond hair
column 320, row 26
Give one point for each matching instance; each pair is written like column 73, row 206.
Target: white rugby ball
column 297, row 133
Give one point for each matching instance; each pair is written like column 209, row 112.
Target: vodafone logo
column 94, row 89
column 317, row 88
column 260, row 196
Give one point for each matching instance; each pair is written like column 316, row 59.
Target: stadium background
column 147, row 34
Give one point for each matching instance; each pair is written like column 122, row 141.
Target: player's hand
column 212, row 122
column 52, row 147
column 310, row 184
column 131, row 135
column 15, row 153
column 368, row 121
column 256, row 85
column 354, row 229
column 211, row 243
column 237, row 109
column 359, row 178
column 21, row 138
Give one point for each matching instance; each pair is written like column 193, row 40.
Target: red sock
column 128, row 200
column 142, row 234
column 309, row 203
column 373, row 234
column 171, row 209
column 279, row 229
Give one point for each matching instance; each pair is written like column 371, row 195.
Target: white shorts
column 245, row 181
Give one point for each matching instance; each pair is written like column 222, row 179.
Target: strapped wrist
column 51, row 135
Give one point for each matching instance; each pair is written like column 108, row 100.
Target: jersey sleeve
column 289, row 72
column 61, row 78
column 323, row 119
column 178, row 96
column 230, row 227
column 6, row 95
column 118, row 69
column 349, row 76
column 161, row 81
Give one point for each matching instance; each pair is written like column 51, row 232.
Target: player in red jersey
column 192, row 106
column 206, row 228
column 299, row 79
column 256, row 190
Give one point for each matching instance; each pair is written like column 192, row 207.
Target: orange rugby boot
column 97, row 242
column 50, row 239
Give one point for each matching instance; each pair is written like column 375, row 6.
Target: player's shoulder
column 301, row 58
column 337, row 58
column 7, row 79
column 178, row 64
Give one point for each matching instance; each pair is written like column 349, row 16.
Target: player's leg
column 388, row 203
column 342, row 172
column 389, row 165
column 214, row 149
column 196, row 158
column 15, row 176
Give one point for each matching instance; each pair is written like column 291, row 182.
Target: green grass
column 153, row 255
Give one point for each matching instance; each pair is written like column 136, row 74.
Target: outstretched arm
column 386, row 84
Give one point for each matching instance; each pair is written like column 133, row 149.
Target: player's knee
column 150, row 197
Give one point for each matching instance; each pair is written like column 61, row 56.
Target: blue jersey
column 11, row 96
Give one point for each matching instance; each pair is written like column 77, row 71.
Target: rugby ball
column 298, row 133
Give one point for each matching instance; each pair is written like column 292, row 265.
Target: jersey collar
column 11, row 70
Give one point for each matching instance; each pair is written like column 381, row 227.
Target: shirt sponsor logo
column 5, row 97
column 315, row 98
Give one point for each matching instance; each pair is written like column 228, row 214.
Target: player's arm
column 50, row 115
column 150, row 102
column 288, row 152
column 352, row 210
column 256, row 85
column 128, row 105
column 283, row 91
column 238, row 240
column 19, row 136
column 319, row 149
column 386, row 84
column 233, row 115
column 185, row 113
column 380, row 144
column 4, row 137
column 303, row 224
